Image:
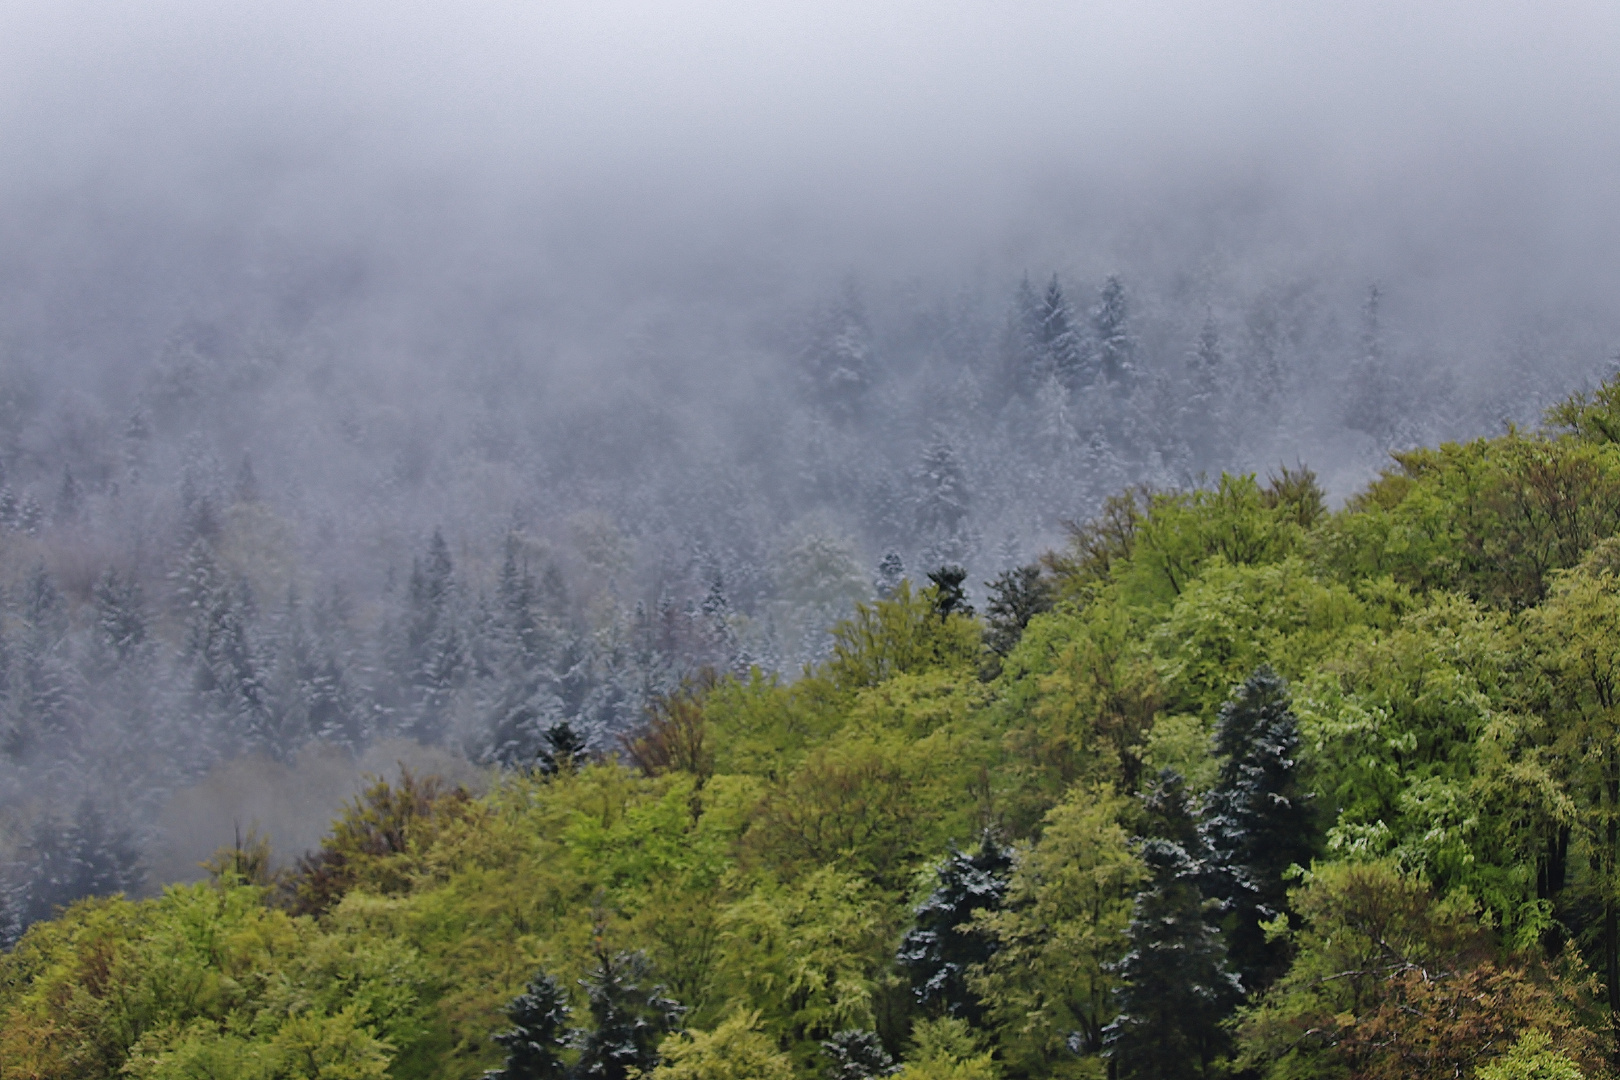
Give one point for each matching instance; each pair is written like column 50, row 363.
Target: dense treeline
column 250, row 545
column 1233, row 785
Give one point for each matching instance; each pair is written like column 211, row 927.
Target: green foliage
column 946, row 1048
column 1449, row 637
column 736, row 1050
column 1059, row 934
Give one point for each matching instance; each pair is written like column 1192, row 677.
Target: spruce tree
column 942, row 495
column 539, row 1035
column 938, row 951
column 1016, row 596
column 629, row 1018
column 857, row 1055
column 1256, row 822
column 949, row 596
column 66, row 861
column 1060, row 350
column 1176, row 986
column 1111, row 323
column 891, row 571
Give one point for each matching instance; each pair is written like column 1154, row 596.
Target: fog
column 674, row 319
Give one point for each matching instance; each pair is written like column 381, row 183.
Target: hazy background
column 688, row 314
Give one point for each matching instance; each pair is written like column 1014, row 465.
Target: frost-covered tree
column 1116, row 350
column 944, row 942
column 835, row 362
column 1256, row 822
column 629, row 1018
column 539, row 1036
column 857, row 1055
column 64, row 861
column 1061, row 354
column 941, row 490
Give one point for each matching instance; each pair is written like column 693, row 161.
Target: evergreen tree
column 938, row 951
column 563, row 749
column 69, row 500
column 1256, row 822
column 1060, row 351
column 891, row 572
column 121, row 620
column 835, row 362
column 942, row 496
column 1016, row 596
column 949, row 596
column 66, row 861
column 857, row 1055
column 1022, row 359
column 436, row 647
column 1372, row 403
column 539, row 1035
column 45, row 713
column 1111, row 323
column 629, row 1020
column 1176, row 987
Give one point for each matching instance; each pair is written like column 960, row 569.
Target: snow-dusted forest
column 386, row 390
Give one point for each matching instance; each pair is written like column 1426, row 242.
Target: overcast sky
column 1473, row 144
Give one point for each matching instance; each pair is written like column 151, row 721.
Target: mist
column 378, row 372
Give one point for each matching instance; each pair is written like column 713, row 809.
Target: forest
column 1230, row 783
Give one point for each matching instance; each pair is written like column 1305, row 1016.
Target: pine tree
column 1256, row 822
column 1016, row 596
column 539, row 1035
column 629, row 1019
column 938, row 951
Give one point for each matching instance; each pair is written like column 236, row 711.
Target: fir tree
column 835, row 362
column 942, row 496
column 69, row 500
column 938, row 951
column 1256, row 822
column 563, row 749
column 1111, row 324
column 121, row 620
column 1016, row 596
column 1060, row 353
column 857, row 1055
column 1176, row 987
column 891, row 572
column 66, row 861
column 949, row 596
column 629, row 1019
column 539, row 1035
column 1022, row 360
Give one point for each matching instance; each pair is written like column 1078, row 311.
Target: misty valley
column 972, row 723
column 705, row 540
